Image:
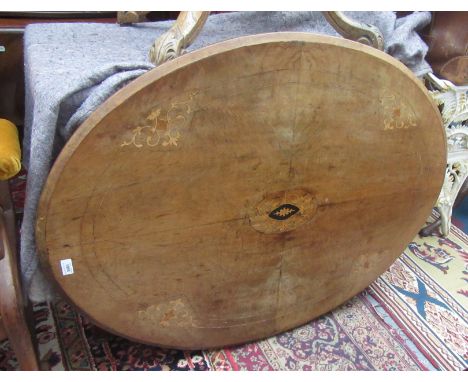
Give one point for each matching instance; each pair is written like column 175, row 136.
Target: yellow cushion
column 10, row 151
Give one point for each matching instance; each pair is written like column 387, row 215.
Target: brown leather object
column 456, row 70
column 447, row 37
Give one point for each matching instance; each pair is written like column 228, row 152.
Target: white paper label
column 67, row 267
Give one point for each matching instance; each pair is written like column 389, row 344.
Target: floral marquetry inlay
column 397, row 115
column 162, row 127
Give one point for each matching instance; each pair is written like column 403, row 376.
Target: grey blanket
column 70, row 69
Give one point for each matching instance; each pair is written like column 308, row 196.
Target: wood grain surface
column 241, row 190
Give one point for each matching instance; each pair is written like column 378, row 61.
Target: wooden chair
column 13, row 318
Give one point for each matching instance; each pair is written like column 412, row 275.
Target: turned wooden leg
column 12, row 312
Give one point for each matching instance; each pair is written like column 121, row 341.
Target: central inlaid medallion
column 282, row 211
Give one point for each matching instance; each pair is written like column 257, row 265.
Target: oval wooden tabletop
column 241, row 190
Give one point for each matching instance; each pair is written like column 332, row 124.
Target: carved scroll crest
column 170, row 45
column 364, row 33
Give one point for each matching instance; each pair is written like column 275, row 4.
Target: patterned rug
column 413, row 317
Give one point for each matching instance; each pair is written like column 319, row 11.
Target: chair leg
column 14, row 318
column 19, row 337
column 13, row 314
column 12, row 308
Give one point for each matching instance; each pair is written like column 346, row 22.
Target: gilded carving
column 172, row 43
column 364, row 33
column 162, row 127
column 453, row 102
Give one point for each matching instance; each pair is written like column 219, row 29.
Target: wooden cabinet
column 11, row 75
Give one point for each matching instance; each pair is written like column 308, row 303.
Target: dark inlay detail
column 283, row 212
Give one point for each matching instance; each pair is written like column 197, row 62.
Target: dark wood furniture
column 13, row 317
column 11, row 75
